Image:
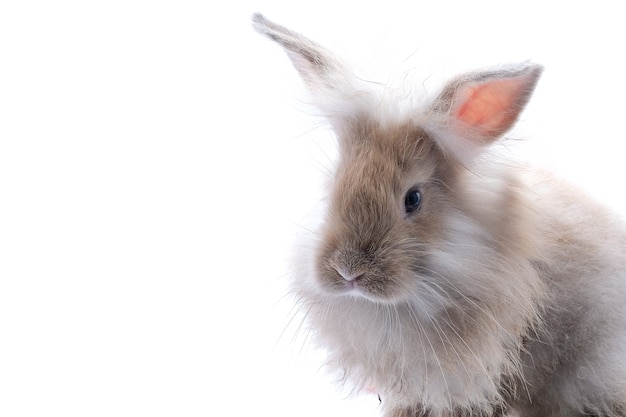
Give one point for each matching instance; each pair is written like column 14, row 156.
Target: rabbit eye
column 412, row 200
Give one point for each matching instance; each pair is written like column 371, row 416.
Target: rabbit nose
column 349, row 276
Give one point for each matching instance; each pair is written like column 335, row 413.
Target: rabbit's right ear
column 327, row 78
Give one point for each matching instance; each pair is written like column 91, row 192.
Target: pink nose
column 349, row 276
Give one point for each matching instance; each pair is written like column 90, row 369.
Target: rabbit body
column 454, row 282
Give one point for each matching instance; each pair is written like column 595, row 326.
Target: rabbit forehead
column 385, row 158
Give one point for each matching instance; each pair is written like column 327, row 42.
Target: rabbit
column 453, row 281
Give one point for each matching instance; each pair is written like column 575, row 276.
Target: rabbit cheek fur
column 494, row 293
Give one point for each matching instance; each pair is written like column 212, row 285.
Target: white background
column 155, row 163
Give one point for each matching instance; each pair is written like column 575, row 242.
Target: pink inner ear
column 491, row 108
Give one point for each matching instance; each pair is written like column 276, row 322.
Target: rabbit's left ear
column 330, row 82
column 476, row 109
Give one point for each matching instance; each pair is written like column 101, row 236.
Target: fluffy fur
column 500, row 295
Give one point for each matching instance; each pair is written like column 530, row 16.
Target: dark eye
column 412, row 200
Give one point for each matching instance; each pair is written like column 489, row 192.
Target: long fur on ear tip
column 265, row 26
column 260, row 23
column 257, row 18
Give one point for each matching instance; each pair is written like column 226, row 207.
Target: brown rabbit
column 455, row 283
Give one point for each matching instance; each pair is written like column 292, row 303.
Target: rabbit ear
column 327, row 78
column 476, row 109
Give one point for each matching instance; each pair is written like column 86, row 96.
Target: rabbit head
column 401, row 173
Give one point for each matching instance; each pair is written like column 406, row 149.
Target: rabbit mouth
column 354, row 284
column 365, row 291
column 374, row 286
